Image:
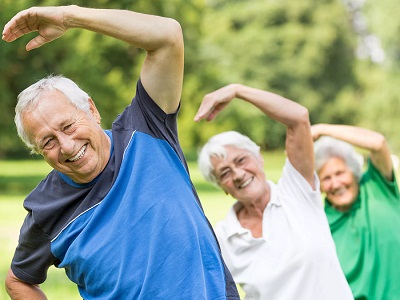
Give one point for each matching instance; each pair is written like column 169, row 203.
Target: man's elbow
column 175, row 33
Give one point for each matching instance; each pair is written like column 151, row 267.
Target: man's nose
column 66, row 144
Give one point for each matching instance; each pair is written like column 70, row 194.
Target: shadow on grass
column 18, row 185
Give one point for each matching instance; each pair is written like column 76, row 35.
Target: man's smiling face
column 70, row 140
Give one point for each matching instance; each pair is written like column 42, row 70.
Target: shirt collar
column 232, row 222
column 273, row 198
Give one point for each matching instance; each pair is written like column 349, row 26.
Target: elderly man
column 118, row 212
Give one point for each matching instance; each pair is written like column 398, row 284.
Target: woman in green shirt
column 362, row 206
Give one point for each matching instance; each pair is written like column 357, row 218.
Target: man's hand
column 47, row 21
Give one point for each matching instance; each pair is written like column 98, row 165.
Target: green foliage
column 384, row 22
column 380, row 109
column 104, row 67
column 301, row 49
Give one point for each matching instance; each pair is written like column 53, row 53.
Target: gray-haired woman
column 275, row 239
column 363, row 208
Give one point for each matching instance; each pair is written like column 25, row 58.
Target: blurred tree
column 383, row 21
column 381, row 110
column 380, row 79
column 104, row 67
column 303, row 50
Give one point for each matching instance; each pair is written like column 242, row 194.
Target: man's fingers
column 36, row 43
column 12, row 31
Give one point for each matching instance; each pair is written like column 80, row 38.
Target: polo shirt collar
column 233, row 225
column 273, row 199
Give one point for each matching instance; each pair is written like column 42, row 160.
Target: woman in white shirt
column 275, row 239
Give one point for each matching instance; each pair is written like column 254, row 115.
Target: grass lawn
column 18, row 178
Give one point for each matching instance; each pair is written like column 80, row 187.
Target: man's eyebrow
column 67, row 121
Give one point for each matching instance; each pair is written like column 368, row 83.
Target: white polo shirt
column 296, row 257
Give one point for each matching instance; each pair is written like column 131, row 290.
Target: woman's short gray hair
column 29, row 98
column 327, row 147
column 215, row 148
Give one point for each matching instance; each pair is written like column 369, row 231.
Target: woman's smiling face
column 241, row 174
column 70, row 140
column 338, row 183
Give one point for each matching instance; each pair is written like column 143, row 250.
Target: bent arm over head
column 19, row 290
column 363, row 138
column 299, row 144
column 162, row 71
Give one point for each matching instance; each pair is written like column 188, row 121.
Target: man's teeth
column 246, row 183
column 78, row 155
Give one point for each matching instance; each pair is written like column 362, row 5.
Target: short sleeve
column 32, row 257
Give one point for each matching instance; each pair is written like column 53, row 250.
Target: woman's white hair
column 327, row 147
column 215, row 148
column 28, row 99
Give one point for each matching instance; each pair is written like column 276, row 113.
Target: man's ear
column 94, row 111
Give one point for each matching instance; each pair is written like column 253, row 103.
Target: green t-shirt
column 367, row 238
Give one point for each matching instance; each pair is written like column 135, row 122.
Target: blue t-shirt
column 137, row 231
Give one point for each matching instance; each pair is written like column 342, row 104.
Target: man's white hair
column 28, row 99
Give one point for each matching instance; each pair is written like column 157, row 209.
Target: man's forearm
column 145, row 31
column 19, row 290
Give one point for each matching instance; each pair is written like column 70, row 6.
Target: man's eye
column 48, row 143
column 68, row 126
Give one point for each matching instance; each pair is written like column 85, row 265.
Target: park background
column 339, row 58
